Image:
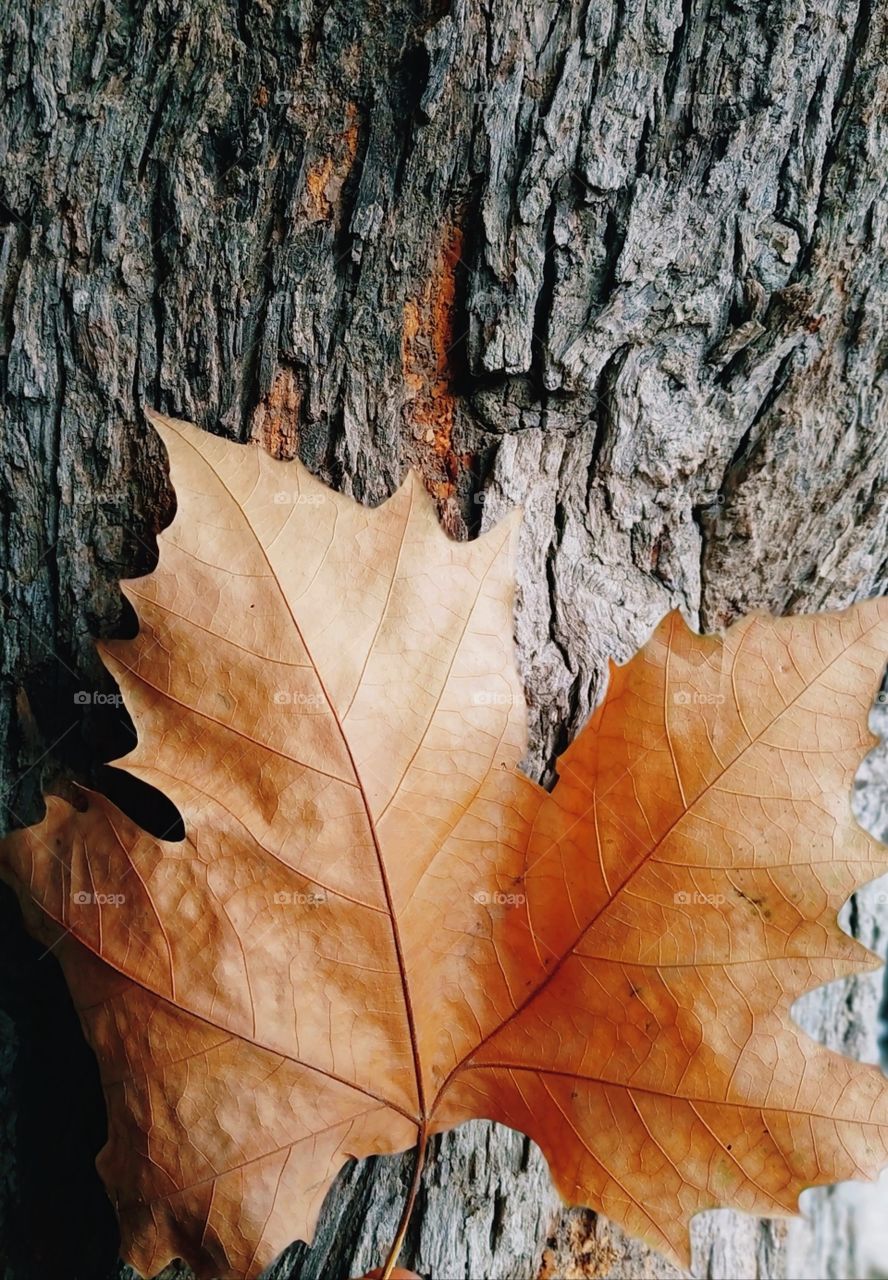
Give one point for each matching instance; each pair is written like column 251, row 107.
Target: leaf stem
column 395, row 1251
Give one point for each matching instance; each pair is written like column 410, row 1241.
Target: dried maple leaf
column 377, row 927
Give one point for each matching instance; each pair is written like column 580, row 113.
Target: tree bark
column 623, row 263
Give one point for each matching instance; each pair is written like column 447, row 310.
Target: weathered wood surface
column 624, row 263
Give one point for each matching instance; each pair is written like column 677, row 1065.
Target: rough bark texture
column 621, row 262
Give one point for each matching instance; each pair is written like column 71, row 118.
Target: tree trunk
column 623, row 263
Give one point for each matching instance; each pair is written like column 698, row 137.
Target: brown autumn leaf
column 377, row 927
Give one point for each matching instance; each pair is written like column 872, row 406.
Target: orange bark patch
column 276, row 416
column 316, row 181
column 349, row 135
column 427, row 341
column 325, row 178
column 582, row 1256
